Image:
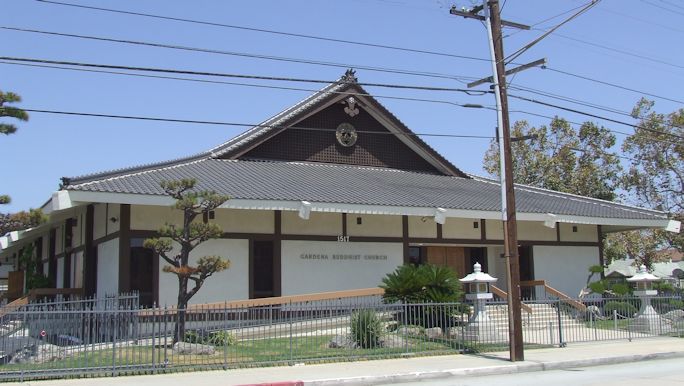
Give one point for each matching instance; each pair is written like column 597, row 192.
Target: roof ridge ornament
column 349, row 76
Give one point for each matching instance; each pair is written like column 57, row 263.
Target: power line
column 594, row 116
column 330, row 64
column 221, row 123
column 580, row 124
column 663, row 8
column 624, row 52
column 267, row 31
column 464, row 105
column 570, row 100
column 522, row 50
column 243, row 54
column 241, row 76
column 613, row 85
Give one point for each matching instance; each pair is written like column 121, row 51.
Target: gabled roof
column 346, row 86
column 346, row 184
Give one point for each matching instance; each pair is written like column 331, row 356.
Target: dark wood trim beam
column 250, row 268
column 124, row 248
column 52, row 266
column 483, row 229
column 104, row 239
column 344, row 224
column 439, row 231
column 405, row 238
column 558, row 232
column 67, row 241
column 90, row 255
column 277, row 252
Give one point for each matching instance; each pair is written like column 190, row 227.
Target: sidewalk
column 408, row 369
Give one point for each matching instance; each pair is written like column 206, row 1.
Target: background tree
column 656, row 172
column 21, row 220
column 561, row 158
column 177, row 242
column 12, row 112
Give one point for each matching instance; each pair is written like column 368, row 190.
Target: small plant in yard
column 221, row 338
column 624, row 309
column 366, row 328
column 218, row 338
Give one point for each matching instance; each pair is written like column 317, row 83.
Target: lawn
column 258, row 352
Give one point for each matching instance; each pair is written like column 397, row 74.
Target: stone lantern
column 647, row 319
column 480, row 326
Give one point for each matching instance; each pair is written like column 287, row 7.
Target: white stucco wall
column 245, row 221
column 494, row 229
column 327, row 224
column 461, row 228
column 422, row 227
column 231, row 284
column 46, row 269
column 497, row 266
column 102, row 215
column 59, row 239
column 564, row 268
column 360, row 267
column 77, row 270
column 584, row 232
column 374, row 225
column 60, row 273
column 5, row 269
column 533, row 230
column 151, row 218
column 108, row 268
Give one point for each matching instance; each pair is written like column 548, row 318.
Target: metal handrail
column 554, row 292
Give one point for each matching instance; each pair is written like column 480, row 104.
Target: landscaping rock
column 341, row 341
column 433, row 333
column 185, row 348
column 675, row 316
column 407, row 330
column 393, row 341
column 39, row 354
column 455, row 332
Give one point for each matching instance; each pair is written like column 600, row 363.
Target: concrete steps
column 542, row 316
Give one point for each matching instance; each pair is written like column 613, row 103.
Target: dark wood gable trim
column 379, row 113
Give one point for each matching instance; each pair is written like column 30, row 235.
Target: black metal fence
column 112, row 336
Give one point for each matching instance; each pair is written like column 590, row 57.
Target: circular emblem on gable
column 346, row 134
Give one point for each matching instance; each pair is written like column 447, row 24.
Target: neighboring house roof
column 627, row 268
column 346, row 184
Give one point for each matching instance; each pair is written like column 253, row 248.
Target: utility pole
column 493, row 21
column 508, row 199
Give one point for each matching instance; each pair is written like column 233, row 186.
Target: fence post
column 615, row 323
column 289, row 318
column 225, row 330
column 116, row 326
column 166, row 329
column 561, row 342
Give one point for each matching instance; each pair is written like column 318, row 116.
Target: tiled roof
column 317, row 182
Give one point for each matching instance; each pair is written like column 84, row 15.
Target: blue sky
column 633, row 43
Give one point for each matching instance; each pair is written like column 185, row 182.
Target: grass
column 609, row 324
column 132, row 359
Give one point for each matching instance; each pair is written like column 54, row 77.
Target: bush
column 366, row 328
column 221, row 338
column 624, row 309
column 425, row 283
column 218, row 338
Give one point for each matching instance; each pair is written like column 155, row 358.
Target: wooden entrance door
column 452, row 257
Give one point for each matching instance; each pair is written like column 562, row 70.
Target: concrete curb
column 528, row 366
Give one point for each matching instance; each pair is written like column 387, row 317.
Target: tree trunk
column 182, row 305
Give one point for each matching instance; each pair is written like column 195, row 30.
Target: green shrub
column 425, row 283
column 624, row 309
column 366, row 328
column 221, row 338
column 194, row 336
column 218, row 338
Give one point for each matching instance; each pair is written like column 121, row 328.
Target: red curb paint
column 288, row 383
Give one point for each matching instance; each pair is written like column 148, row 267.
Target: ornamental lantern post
column 480, row 327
